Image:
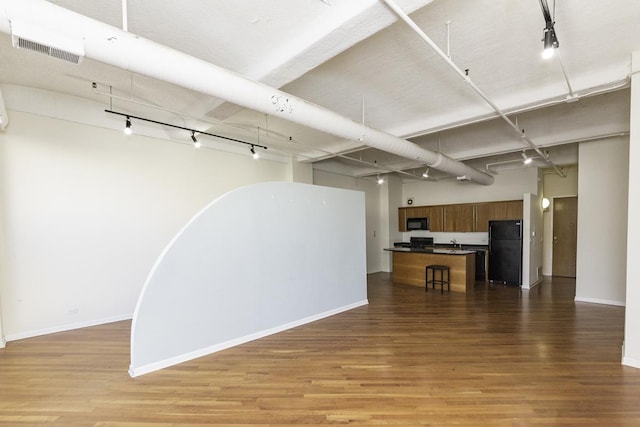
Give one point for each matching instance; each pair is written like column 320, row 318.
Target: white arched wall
column 258, row 260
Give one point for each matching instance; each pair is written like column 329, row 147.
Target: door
column 565, row 236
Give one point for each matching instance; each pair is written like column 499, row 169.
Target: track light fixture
column 549, row 33
column 426, row 173
column 254, row 154
column 380, row 180
column 197, row 144
column 526, row 160
column 127, row 126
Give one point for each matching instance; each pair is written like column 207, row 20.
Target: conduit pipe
column 467, row 79
column 110, row 45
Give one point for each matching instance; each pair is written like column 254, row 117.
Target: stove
column 421, row 242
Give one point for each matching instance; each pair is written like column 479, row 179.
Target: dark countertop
column 433, row 250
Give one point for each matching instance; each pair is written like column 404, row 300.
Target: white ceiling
column 357, row 59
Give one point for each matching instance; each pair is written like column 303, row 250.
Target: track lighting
column 196, row 143
column 426, row 173
column 127, row 126
column 380, row 180
column 254, row 154
column 550, row 43
column 526, row 160
column 549, row 33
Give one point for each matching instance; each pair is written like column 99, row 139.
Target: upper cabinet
column 465, row 217
column 494, row 211
column 436, row 218
column 459, row 218
column 434, row 213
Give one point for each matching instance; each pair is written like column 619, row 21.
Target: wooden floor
column 496, row 357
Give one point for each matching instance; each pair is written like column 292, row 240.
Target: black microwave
column 417, row 224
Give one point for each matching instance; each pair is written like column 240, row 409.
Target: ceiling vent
column 41, row 40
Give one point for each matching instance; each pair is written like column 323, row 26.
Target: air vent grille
column 37, row 38
column 48, row 50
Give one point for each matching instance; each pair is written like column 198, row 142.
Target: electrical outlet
column 72, row 310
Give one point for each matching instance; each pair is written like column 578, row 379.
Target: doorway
column 565, row 236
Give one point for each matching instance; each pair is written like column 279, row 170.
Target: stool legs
column 434, row 280
column 426, row 279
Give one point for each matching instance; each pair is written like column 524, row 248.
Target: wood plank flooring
column 493, row 357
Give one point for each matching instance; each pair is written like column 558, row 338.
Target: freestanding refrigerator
column 505, row 252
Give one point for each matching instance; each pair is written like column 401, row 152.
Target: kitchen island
column 409, row 266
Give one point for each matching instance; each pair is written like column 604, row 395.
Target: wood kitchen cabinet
column 409, row 212
column 402, row 219
column 495, row 211
column 436, row 218
column 434, row 213
column 459, row 218
column 466, row 217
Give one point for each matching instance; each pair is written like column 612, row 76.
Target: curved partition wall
column 258, row 260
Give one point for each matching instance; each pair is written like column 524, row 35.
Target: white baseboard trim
column 3, row 342
column 145, row 369
column 536, row 283
column 599, row 301
column 67, row 327
column 628, row 361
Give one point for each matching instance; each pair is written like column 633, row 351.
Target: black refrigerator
column 505, row 252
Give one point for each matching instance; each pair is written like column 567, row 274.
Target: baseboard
column 531, row 286
column 599, row 301
column 145, row 369
column 628, row 361
column 3, row 342
column 67, row 327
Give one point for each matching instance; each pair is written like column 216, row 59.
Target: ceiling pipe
column 110, row 45
column 467, row 79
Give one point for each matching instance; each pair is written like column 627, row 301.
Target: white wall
column 374, row 223
column 210, row 290
column 631, row 348
column 3, row 241
column 555, row 186
column 390, row 199
column 602, row 221
column 531, row 241
column 86, row 211
column 299, row 172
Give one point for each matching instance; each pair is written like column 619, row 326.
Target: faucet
column 454, row 242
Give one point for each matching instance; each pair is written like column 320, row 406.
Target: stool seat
column 434, row 281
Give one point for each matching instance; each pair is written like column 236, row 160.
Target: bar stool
column 434, row 281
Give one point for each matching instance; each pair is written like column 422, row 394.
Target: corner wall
column 374, row 224
column 631, row 347
column 86, row 211
column 390, row 199
column 531, row 241
column 602, row 221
